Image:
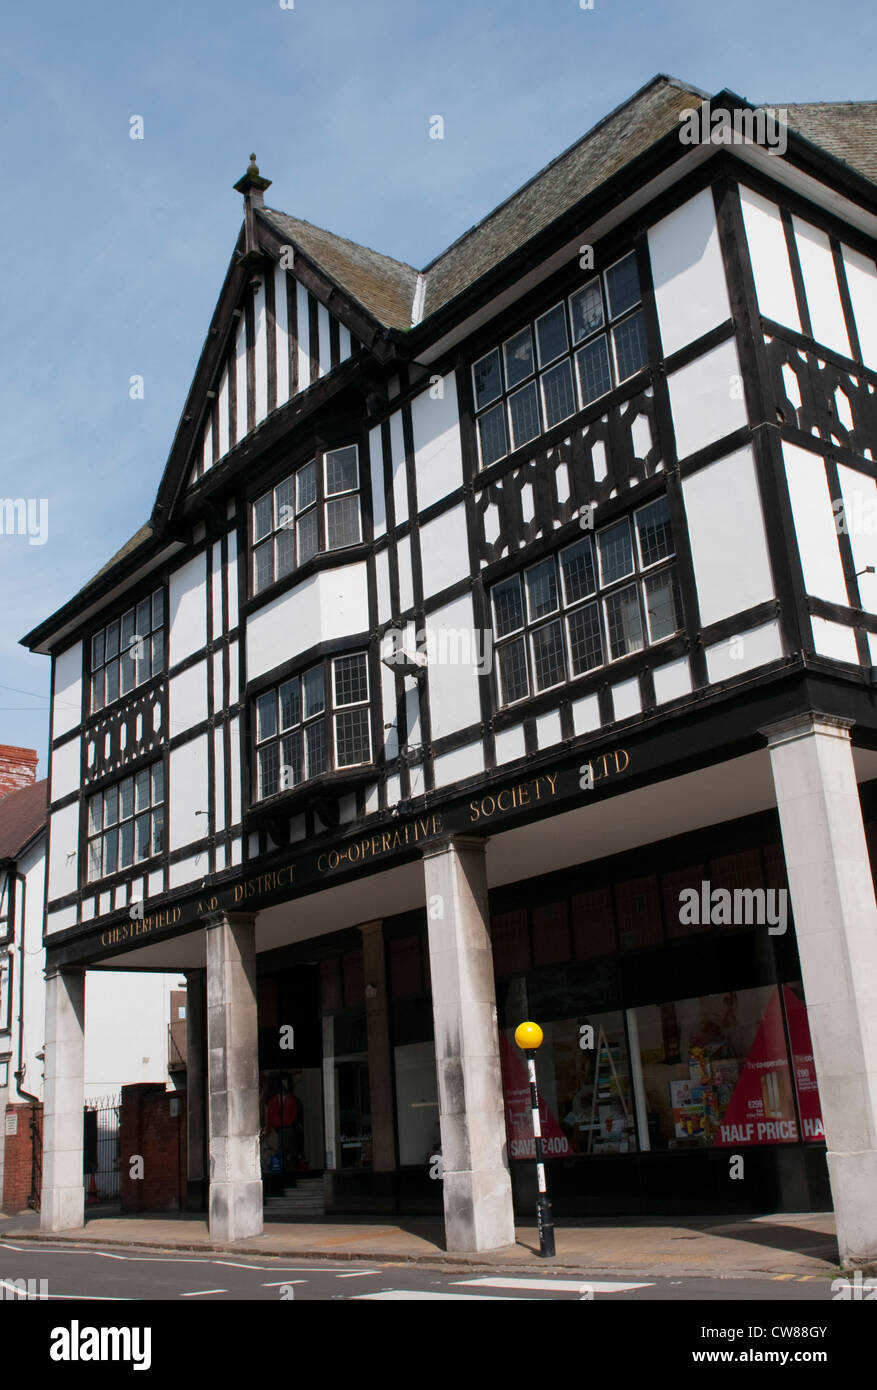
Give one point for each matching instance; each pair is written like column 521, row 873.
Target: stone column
column 235, row 1203
column 477, row 1186
column 836, row 927
column 62, row 1203
column 196, row 1128
column 380, row 1080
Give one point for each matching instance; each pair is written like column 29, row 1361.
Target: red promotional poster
column 761, row 1108
column 518, row 1110
column 802, row 1062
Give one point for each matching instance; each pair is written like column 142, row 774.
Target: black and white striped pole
column 529, row 1036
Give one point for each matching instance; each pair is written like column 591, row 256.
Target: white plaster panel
column 400, row 477
column 333, row 603
column 769, row 255
column 510, row 744
column 744, row 652
column 302, row 301
column 586, row 714
column 188, row 793
column 63, row 851
column 394, row 789
column 216, row 582
column 820, row 286
column 156, row 883
column 382, row 577
column 834, row 640
column 859, row 493
column 376, row 464
column 323, row 339
column 815, row 527
column 453, row 685
column 728, row 542
column 343, row 342
column 242, row 424
column 233, row 674
column 187, row 590
column 872, row 647
column 412, row 713
column 65, row 768
column 706, row 399
column 220, row 857
column 672, row 680
column 87, row 909
column 236, row 853
column 60, row 920
column 216, row 666
column 234, row 776
column 67, row 702
column 260, row 354
column 464, row 762
column 862, row 281
column 231, row 580
column 188, row 698
column 207, row 448
column 690, row 289
column 187, row 870
column 444, row 550
column 406, row 577
column 388, row 704
column 222, row 412
column 281, row 339
column 548, row 731
column 438, row 455
column 219, row 779
column 626, row 699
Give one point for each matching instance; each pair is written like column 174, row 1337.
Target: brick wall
column 19, row 1157
column 18, row 768
column 148, row 1128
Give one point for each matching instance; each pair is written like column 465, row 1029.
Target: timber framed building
column 502, row 645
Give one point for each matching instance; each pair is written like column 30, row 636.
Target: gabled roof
column 22, row 816
column 845, row 129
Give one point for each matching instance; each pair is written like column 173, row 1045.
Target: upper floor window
column 597, row 600
column 127, row 651
column 313, row 723
column 126, row 822
column 567, row 358
column 316, row 508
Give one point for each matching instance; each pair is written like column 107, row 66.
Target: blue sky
column 113, row 250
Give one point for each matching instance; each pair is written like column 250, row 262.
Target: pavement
column 782, row 1246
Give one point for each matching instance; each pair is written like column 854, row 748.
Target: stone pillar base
column 62, row 1209
column 853, row 1180
column 478, row 1210
column 235, row 1210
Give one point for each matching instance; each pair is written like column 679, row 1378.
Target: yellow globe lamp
column 528, row 1036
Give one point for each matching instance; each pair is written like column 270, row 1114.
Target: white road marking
column 397, row 1295
column 557, row 1285
column 359, row 1275
column 281, row 1283
column 200, row 1293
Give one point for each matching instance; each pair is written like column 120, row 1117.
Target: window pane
column 157, row 652
column 128, row 666
column 158, row 831
column 262, row 517
column 97, row 690
column 508, row 607
column 351, row 680
column 268, row 769
column 157, row 783
column 630, row 346
column 290, row 704
column 308, row 537
column 97, row 650
column 524, row 415
column 284, row 503
column 111, row 851
column 586, row 307
column 663, row 605
column 585, row 642
column 112, row 688
column 487, row 379
column 94, row 858
column 111, row 805
column 557, row 394
column 314, row 694
column 654, row 531
column 622, row 286
column 113, row 640
column 592, row 362
column 518, row 352
column 551, row 334
column 623, row 622
column 492, row 435
column 577, row 568
column 95, row 809
column 141, row 845
column 144, row 619
column 616, row 553
column 548, row 664
column 291, row 761
column 126, row 799
column 315, row 735
column 263, row 566
column 514, row 682
column 541, row 583
column 342, row 522
column 352, row 743
column 141, row 789
column 306, row 486
column 158, row 608
column 126, row 845
column 342, row 473
column 266, row 716
column 284, row 553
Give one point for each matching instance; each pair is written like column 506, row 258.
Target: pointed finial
column 252, row 185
